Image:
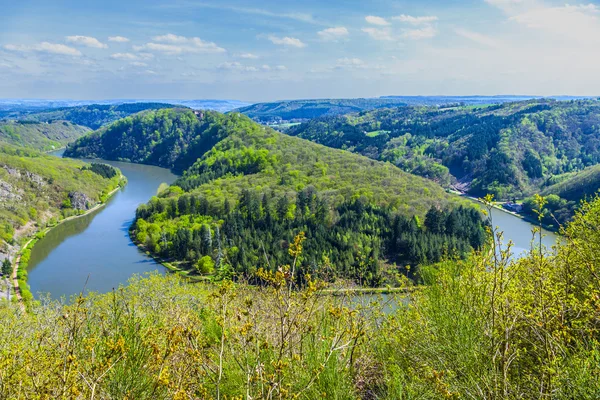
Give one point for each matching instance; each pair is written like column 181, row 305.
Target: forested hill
column 248, row 190
column 93, row 116
column 40, row 136
column 291, row 110
column 510, row 150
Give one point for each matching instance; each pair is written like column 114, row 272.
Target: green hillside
column 40, row 136
column 93, row 116
column 248, row 190
column 510, row 150
column 308, row 109
column 36, row 189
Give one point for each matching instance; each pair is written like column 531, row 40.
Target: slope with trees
column 36, row 189
column 92, row 116
column 248, row 190
column 509, row 150
column 40, row 136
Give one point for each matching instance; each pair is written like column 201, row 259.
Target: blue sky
column 268, row 50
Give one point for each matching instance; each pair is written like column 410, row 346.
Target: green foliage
column 40, row 136
column 509, row 150
column 490, row 327
column 6, row 267
column 297, row 186
column 34, row 187
column 308, row 109
column 92, row 116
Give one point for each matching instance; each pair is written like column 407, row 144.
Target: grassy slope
column 41, row 136
column 36, row 185
column 576, row 185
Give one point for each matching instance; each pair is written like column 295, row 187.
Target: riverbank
column 19, row 272
column 497, row 206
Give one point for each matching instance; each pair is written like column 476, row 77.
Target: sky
column 270, row 50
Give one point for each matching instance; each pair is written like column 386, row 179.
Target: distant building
column 514, row 207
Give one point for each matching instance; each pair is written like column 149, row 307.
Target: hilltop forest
column 248, row 190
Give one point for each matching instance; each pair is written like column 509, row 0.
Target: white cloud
column 286, row 41
column 173, row 44
column 372, row 19
column 236, row 66
column 87, row 41
column 409, row 19
column 418, row 34
column 350, row 62
column 45, row 47
column 477, row 37
column 248, row 56
column 131, row 56
column 123, row 56
column 333, row 34
column 384, row 34
column 118, row 39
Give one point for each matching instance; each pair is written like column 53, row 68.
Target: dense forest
column 511, row 150
column 489, row 327
column 40, row 136
column 247, row 190
column 36, row 190
column 92, row 116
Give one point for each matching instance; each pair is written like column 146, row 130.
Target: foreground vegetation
column 245, row 185
column 486, row 327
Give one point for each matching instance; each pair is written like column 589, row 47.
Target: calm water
column 96, row 248
column 519, row 231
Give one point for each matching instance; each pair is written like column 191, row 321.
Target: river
column 97, row 249
column 519, row 231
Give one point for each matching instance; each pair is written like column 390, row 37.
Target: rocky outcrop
column 80, row 201
column 38, row 180
column 12, row 171
column 8, row 192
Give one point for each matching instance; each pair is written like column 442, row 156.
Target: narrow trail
column 14, row 278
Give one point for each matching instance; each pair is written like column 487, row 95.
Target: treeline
column 350, row 240
column 104, row 170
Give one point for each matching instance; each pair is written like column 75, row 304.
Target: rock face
column 12, row 171
column 38, row 180
column 80, row 201
column 8, row 192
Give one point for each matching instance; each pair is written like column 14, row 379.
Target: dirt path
column 14, row 278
